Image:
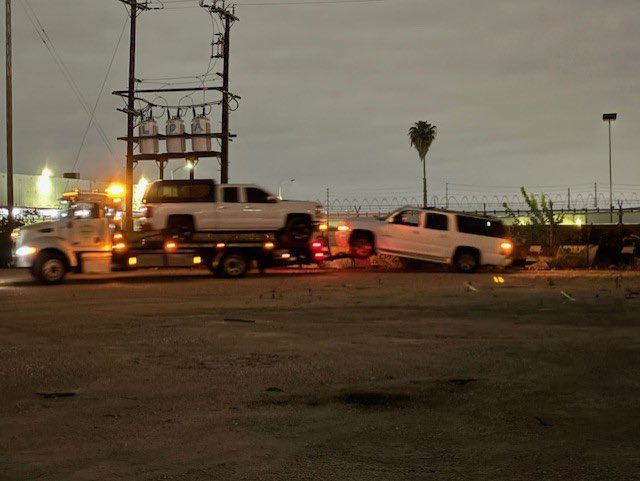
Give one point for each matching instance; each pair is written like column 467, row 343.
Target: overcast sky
column 516, row 89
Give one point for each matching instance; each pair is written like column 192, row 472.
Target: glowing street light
column 189, row 166
column 44, row 186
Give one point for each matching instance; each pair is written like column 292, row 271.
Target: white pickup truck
column 182, row 207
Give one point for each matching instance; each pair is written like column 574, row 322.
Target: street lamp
column 280, row 187
column 610, row 118
column 190, row 166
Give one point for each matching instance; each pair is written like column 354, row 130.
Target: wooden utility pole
column 228, row 18
column 9, row 109
column 131, row 117
column 224, row 151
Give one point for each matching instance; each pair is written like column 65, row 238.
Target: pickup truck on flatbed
column 183, row 208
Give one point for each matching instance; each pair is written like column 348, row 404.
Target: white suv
column 187, row 206
column 463, row 240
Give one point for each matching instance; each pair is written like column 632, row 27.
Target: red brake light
column 147, row 212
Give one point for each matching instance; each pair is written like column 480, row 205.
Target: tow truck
column 88, row 238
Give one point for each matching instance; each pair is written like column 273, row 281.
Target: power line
column 95, row 106
column 42, row 33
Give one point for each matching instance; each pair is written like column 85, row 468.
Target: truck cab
column 80, row 240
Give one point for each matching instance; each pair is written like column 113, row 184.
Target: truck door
column 435, row 237
column 401, row 234
column 228, row 211
column 259, row 210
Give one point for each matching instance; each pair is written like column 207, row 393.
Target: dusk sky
column 516, row 89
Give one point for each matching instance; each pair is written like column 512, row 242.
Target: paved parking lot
column 319, row 375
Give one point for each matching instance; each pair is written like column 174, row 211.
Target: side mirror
column 272, row 199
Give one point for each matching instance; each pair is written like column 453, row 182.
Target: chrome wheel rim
column 53, row 270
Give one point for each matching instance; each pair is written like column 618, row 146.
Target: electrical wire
column 95, row 105
column 44, row 36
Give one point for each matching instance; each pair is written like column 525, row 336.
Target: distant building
column 42, row 191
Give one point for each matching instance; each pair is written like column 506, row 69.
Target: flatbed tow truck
column 87, row 238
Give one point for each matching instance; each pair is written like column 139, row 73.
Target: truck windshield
column 79, row 210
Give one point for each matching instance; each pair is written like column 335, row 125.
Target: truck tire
column 466, row 261
column 298, row 231
column 49, row 268
column 233, row 265
column 361, row 245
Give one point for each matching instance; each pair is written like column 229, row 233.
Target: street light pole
column 9, row 110
column 280, row 187
column 610, row 118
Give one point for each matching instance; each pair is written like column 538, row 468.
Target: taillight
column 147, row 212
column 506, row 248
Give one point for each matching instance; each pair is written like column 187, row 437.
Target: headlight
column 25, row 251
column 14, row 234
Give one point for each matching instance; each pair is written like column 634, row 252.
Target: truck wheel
column 466, row 262
column 298, row 231
column 361, row 246
column 49, row 268
column 233, row 265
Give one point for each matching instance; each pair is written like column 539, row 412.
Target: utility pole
column 131, row 116
column 228, row 18
column 9, row 109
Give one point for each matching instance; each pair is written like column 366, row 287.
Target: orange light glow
column 220, row 245
column 170, row 246
column 118, row 236
column 343, row 228
column 506, row 248
column 120, row 246
column 115, row 190
column 269, row 245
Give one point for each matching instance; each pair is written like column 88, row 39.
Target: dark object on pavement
column 461, row 382
column 54, row 394
column 543, row 422
column 274, row 389
column 245, row 321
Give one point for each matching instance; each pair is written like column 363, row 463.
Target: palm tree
column 421, row 135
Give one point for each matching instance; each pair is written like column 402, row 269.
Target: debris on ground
column 538, row 266
column 245, row 321
column 462, row 382
column 470, row 287
column 274, row 389
column 55, row 394
column 631, row 294
column 567, row 296
column 543, row 422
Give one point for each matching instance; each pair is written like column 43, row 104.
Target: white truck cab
column 81, row 239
